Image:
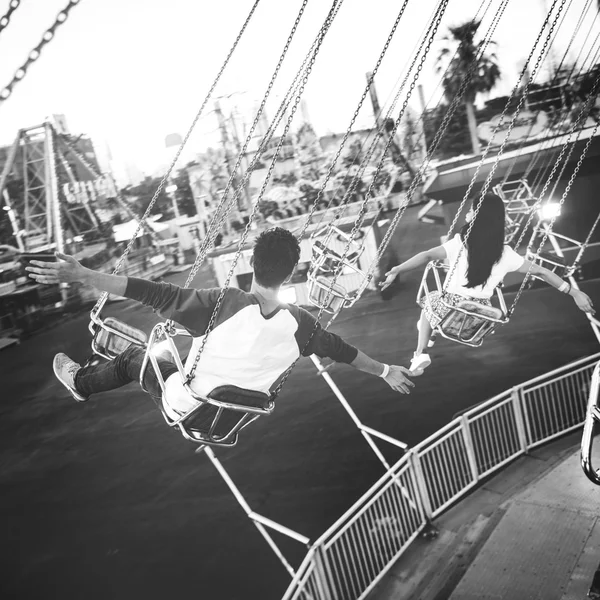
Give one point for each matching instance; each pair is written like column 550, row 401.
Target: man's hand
column 398, row 381
column 390, row 276
column 65, row 270
column 583, row 301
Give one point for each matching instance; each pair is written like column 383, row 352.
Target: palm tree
column 456, row 60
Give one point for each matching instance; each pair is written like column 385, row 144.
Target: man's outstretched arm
column 69, row 270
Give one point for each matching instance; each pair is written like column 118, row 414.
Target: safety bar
column 587, row 439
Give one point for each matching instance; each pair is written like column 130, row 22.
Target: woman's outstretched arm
column 581, row 299
column 418, row 260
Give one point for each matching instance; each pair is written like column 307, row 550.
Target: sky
column 130, row 72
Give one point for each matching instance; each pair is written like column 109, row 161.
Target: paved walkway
column 530, row 533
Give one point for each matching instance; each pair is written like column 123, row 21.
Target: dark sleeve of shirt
column 190, row 308
column 322, row 343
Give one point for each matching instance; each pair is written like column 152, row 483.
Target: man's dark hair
column 276, row 253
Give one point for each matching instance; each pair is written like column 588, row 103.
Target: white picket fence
column 348, row 560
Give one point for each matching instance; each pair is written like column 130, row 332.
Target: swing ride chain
column 433, row 147
column 506, row 107
column 225, row 208
column 570, row 143
column 439, row 135
column 246, row 232
column 5, row 20
column 35, row 53
column 552, row 83
column 490, row 175
column 551, row 225
column 352, row 121
column 413, row 83
column 204, row 249
column 150, row 206
column 547, row 142
column 583, row 248
column 379, row 133
column 440, row 12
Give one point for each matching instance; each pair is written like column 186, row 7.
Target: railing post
column 466, row 432
column 417, row 470
column 323, row 576
column 516, row 397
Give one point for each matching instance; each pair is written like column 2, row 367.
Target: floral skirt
column 436, row 310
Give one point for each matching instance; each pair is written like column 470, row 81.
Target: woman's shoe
column 419, row 363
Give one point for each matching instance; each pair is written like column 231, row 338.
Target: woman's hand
column 65, row 270
column 389, row 278
column 583, row 301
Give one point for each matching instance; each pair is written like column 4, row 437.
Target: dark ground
column 103, row 501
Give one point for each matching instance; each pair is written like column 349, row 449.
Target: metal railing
column 348, row 560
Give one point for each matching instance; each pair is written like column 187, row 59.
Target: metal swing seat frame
column 322, row 292
column 555, row 259
column 218, row 417
column 469, row 322
column 110, row 336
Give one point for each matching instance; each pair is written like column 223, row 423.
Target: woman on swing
column 483, row 263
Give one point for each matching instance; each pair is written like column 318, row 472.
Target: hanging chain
column 506, row 137
column 439, row 135
column 439, row 14
column 200, row 256
column 352, row 121
column 548, row 230
column 150, row 206
column 569, row 143
column 375, row 141
column 35, row 53
column 246, row 232
column 217, row 221
column 5, row 20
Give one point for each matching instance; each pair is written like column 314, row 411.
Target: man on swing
column 253, row 342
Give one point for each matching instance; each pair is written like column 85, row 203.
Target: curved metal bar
column 248, row 414
column 592, row 418
column 488, row 323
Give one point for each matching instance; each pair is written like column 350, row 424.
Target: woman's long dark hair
column 485, row 243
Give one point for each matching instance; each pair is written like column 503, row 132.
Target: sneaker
column 65, row 370
column 431, row 341
column 419, row 363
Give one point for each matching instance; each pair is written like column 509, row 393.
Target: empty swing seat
column 331, row 298
column 469, row 322
column 329, row 260
column 112, row 337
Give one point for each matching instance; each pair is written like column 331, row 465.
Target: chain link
column 150, row 206
column 439, row 135
column 5, row 20
column 35, row 53
column 204, row 249
column 570, row 143
column 439, row 14
column 352, row 121
column 548, row 230
column 294, row 108
column 217, row 221
column 506, row 137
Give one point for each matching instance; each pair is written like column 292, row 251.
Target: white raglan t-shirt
column 509, row 262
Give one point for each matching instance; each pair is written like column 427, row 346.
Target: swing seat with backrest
column 217, row 418
column 469, row 322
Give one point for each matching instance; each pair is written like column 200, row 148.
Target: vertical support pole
column 417, row 468
column 468, row 439
column 53, row 200
column 323, row 574
column 515, row 395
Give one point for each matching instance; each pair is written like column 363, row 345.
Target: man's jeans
column 120, row 371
